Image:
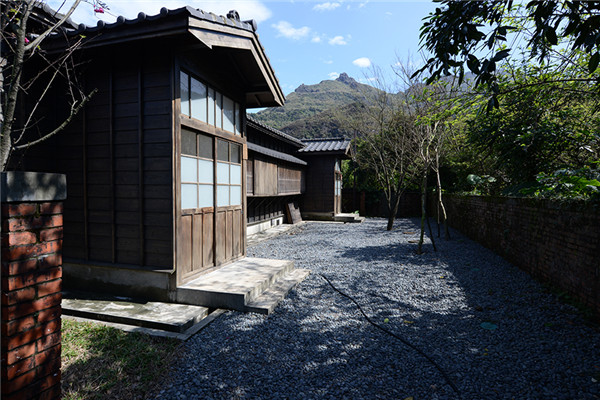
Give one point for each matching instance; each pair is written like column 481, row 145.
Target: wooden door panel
column 221, row 236
column 236, row 234
column 197, row 233
column 228, row 235
column 207, row 240
column 185, row 246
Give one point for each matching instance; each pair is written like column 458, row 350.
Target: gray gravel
column 317, row 345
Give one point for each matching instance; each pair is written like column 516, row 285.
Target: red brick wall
column 555, row 242
column 31, row 296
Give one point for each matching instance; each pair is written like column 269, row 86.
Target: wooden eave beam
column 217, row 35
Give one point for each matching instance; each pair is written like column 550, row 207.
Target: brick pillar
column 31, row 294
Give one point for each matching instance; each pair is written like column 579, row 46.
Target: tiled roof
column 275, row 154
column 273, row 132
column 325, row 145
column 231, row 20
column 207, row 28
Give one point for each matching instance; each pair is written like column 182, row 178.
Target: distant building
column 323, row 196
column 275, row 176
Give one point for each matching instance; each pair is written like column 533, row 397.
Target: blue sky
column 306, row 41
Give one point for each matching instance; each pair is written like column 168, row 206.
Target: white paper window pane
column 184, row 93
column 189, row 169
column 198, row 96
column 222, row 195
column 218, row 108
column 211, row 106
column 228, row 114
column 222, row 172
column 236, row 174
column 189, row 196
column 236, row 195
column 238, row 120
column 205, row 171
column 206, row 196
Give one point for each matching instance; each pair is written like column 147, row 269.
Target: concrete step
column 268, row 300
column 234, row 285
column 348, row 218
column 154, row 315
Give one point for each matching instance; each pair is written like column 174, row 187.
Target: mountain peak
column 344, row 78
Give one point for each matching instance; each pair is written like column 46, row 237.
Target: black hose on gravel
column 428, row 358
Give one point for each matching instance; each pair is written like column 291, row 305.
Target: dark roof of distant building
column 273, row 132
column 326, row 145
column 275, row 154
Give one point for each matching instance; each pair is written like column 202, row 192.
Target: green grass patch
column 100, row 362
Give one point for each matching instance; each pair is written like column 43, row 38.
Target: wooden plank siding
column 117, row 156
column 320, row 187
column 269, row 193
column 250, row 177
column 289, row 180
column 265, row 178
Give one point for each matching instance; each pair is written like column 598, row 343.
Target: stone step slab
column 234, row 285
column 154, row 315
column 270, row 298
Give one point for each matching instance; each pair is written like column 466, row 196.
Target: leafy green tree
column 477, row 34
column 539, row 128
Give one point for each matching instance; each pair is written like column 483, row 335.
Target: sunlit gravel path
column 495, row 332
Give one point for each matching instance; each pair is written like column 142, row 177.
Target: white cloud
column 316, row 39
column 338, row 40
column 326, row 6
column 362, row 62
column 334, row 75
column 367, row 80
column 329, row 62
column 248, row 9
column 286, row 30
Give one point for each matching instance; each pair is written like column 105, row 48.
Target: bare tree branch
column 74, row 110
column 35, row 43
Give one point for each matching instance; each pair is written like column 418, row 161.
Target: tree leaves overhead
column 476, row 33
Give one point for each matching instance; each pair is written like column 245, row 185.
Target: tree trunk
column 13, row 89
column 423, row 210
column 441, row 202
column 393, row 203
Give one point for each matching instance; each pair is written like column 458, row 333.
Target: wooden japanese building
column 155, row 162
column 323, row 196
column 275, row 176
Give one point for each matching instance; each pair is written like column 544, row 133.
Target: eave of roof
column 325, row 145
column 251, row 121
column 208, row 28
column 275, row 154
column 165, row 12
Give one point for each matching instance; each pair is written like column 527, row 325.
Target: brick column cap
column 17, row 186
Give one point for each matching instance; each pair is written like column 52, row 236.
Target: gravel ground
column 495, row 332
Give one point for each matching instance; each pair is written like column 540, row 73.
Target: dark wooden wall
column 118, row 159
column 320, row 184
column 270, row 185
column 267, row 208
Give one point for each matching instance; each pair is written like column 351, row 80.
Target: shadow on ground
column 494, row 331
